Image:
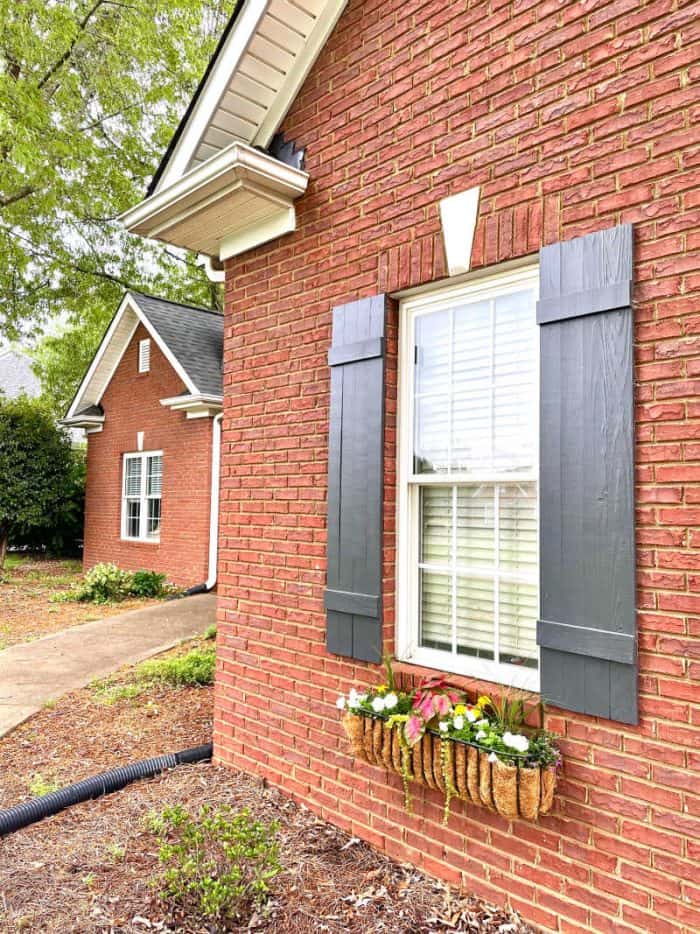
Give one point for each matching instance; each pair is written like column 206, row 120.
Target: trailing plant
column 218, row 864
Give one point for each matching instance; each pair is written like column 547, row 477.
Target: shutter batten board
column 355, row 480
column 587, row 631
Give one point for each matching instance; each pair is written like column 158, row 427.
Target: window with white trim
column 144, row 355
column 141, row 496
column 468, row 594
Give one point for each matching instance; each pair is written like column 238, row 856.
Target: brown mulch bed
column 88, row 869
column 26, row 612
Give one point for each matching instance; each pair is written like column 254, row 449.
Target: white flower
column 444, row 726
column 516, row 741
column 493, row 757
column 390, row 701
column 480, row 735
column 482, row 723
column 471, row 716
column 378, row 704
column 459, row 722
column 354, row 698
column 340, row 703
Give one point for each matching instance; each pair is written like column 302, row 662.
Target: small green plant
column 197, row 667
column 39, row 786
column 148, row 584
column 108, row 693
column 89, row 879
column 50, row 704
column 210, row 632
column 218, row 864
column 103, row 584
column 115, row 852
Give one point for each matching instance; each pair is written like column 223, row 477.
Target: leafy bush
column 148, row 584
column 219, row 865
column 210, row 632
column 103, row 584
column 197, row 667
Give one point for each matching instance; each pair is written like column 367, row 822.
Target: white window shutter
column 144, row 355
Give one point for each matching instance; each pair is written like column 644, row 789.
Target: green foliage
column 197, row 667
column 39, row 786
column 218, row 865
column 36, row 467
column 91, row 92
column 210, row 632
column 148, row 584
column 108, row 693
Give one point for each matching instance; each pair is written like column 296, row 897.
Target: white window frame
column 143, row 498
column 145, row 355
column 408, row 518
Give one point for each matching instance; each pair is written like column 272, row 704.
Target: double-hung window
column 141, row 496
column 468, row 524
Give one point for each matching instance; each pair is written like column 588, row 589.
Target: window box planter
column 428, row 737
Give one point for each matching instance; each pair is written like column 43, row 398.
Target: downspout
column 214, row 507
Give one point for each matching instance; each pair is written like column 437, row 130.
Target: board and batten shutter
column 353, row 595
column 587, row 630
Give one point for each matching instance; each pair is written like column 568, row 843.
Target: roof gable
column 261, row 62
column 191, row 339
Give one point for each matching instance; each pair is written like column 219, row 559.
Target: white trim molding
column 234, row 201
column 195, row 405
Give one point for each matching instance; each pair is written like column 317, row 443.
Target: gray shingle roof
column 195, row 337
column 16, row 375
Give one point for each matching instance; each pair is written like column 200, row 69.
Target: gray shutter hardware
column 355, row 480
column 587, row 630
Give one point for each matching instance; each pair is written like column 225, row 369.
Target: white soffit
column 256, row 74
column 458, row 215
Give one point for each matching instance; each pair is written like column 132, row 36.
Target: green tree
column 36, row 468
column 90, row 92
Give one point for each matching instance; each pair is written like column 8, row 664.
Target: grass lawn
column 25, row 610
column 88, row 869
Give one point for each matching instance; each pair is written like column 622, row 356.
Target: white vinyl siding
column 141, row 496
column 144, row 355
column 468, row 544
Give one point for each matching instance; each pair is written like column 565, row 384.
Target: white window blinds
column 470, row 472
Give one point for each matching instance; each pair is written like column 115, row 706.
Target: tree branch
column 82, row 25
column 21, row 193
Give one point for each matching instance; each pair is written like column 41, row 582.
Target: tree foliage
column 90, row 92
column 37, row 468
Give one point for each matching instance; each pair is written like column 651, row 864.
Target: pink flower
column 442, row 704
column 414, row 729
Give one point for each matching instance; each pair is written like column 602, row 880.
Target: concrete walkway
column 35, row 672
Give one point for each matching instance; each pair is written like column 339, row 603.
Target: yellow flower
column 460, row 710
column 484, row 701
column 382, row 689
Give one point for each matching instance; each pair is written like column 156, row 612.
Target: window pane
column 515, row 382
column 133, row 476
column 133, row 518
column 518, row 544
column 472, row 375
column 436, row 611
column 475, row 544
column 153, row 516
column 475, row 615
column 154, row 481
column 432, row 434
column 436, row 525
column 517, row 623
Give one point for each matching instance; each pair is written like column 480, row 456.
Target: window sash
column 410, row 563
column 148, row 496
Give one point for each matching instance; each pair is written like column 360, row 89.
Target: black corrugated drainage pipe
column 29, row 812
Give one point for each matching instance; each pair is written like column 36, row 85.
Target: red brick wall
column 572, row 117
column 131, row 404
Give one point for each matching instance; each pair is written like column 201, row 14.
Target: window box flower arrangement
column 481, row 752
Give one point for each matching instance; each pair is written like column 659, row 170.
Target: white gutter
column 214, row 508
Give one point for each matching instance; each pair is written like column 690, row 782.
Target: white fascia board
column 84, row 421
column 300, row 69
column 206, row 183
column 282, row 222
column 195, row 406
column 217, row 83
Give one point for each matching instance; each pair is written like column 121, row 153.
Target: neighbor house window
column 144, row 356
column 141, row 500
column 468, row 536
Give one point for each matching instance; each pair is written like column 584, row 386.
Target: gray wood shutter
column 587, row 632
column 353, row 596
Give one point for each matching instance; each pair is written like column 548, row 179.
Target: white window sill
column 142, row 541
column 527, row 679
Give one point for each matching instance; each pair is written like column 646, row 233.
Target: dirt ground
column 88, row 869
column 26, row 612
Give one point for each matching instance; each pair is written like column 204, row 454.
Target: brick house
column 461, row 367
column 150, row 404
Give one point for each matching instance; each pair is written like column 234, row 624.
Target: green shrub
column 148, row 584
column 103, row 584
column 218, row 865
column 210, row 632
column 197, row 667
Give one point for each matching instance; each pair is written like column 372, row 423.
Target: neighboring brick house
column 149, row 404
column 574, row 120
